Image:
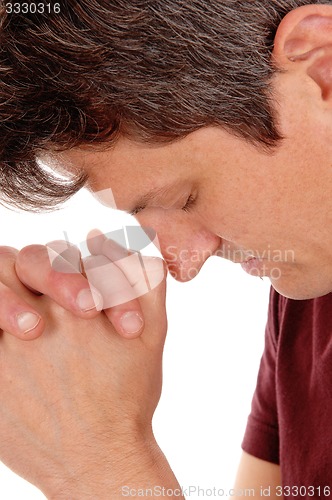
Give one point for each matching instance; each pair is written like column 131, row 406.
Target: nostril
column 172, row 269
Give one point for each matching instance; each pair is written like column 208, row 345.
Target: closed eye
column 136, row 210
column 189, row 203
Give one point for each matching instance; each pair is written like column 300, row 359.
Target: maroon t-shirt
column 291, row 417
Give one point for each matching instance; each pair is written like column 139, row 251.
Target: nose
column 186, row 254
column 184, row 243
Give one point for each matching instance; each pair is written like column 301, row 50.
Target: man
column 210, row 121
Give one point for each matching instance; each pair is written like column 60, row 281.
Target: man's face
column 215, row 194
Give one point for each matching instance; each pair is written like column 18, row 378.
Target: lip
column 253, row 266
column 233, row 253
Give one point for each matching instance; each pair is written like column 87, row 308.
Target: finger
column 61, row 254
column 17, row 316
column 119, row 298
column 121, row 306
column 154, row 309
column 7, row 265
column 44, row 269
column 96, row 240
column 142, row 273
column 4, row 249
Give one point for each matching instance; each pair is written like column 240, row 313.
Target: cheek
column 243, row 218
column 228, row 214
column 230, row 225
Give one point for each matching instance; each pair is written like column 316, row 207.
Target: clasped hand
column 77, row 400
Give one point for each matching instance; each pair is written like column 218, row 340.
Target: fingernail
column 89, row 299
column 131, row 322
column 27, row 321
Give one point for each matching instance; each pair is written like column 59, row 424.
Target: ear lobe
column 304, row 39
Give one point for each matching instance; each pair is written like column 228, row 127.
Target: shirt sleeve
column 261, row 437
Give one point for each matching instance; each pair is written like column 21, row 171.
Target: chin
column 302, row 287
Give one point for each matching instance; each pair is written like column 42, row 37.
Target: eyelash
column 189, row 204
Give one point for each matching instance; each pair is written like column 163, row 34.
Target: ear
column 304, row 41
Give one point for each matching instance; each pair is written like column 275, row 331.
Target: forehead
column 130, row 169
column 130, row 162
column 127, row 153
column 127, row 156
column 121, row 158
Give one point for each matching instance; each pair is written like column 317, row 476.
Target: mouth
column 254, row 266
column 233, row 254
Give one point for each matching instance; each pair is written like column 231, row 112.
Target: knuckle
column 7, row 269
column 8, row 251
column 64, row 248
column 64, row 256
column 26, row 259
column 29, row 254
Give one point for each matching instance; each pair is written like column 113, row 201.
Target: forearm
column 140, row 471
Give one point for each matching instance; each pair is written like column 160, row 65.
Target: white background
column 214, row 344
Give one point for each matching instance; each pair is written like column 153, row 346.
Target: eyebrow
column 149, row 198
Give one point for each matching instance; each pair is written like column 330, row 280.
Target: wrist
column 119, row 472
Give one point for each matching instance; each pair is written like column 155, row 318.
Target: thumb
column 153, row 303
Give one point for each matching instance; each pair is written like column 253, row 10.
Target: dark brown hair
column 152, row 69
